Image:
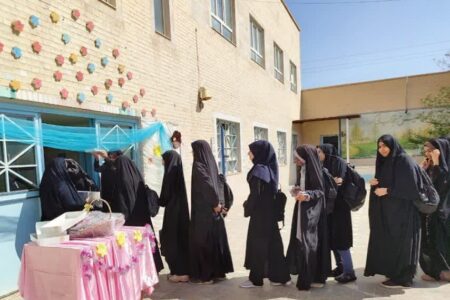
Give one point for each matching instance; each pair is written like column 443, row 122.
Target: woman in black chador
column 308, row 252
column 107, row 172
column 174, row 234
column 210, row 256
column 393, row 249
column 130, row 198
column 264, row 255
column 340, row 220
column 435, row 242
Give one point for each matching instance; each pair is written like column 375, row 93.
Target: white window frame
column 293, row 77
column 110, row 3
column 222, row 19
column 279, row 149
column 278, row 62
column 257, row 39
column 165, row 6
column 215, row 147
column 260, row 129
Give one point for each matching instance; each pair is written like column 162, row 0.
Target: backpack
column 152, row 201
column 280, row 205
column 331, row 188
column 225, row 193
column 354, row 189
column 428, row 200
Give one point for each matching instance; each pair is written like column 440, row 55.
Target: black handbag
column 428, row 200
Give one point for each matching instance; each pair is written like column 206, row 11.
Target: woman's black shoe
column 337, row 272
column 345, row 278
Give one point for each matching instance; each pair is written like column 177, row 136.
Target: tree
column 438, row 115
column 356, row 133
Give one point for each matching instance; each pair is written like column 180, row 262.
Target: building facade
column 122, row 64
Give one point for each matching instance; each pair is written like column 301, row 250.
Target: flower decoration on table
column 101, row 250
column 121, row 238
column 54, row 16
column 75, row 14
column 16, row 52
column 17, row 26
column 137, row 236
column 37, row 47
column 65, row 37
column 90, row 26
column 34, row 21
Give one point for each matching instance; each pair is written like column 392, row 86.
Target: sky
column 345, row 41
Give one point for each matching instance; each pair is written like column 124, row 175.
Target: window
column 162, row 17
column 111, row 135
column 278, row 62
column 294, row 143
column 222, row 17
column 111, row 3
column 261, row 133
column 281, row 137
column 293, row 78
column 256, row 42
column 228, row 146
column 18, row 163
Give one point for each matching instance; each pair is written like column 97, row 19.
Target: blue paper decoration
column 98, row 43
column 91, row 68
column 65, row 38
column 109, row 98
column 16, row 52
column 81, row 97
column 105, row 61
column 35, row 21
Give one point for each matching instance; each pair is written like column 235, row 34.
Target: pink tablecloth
column 117, row 267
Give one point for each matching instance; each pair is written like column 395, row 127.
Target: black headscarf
column 384, row 166
column 265, row 165
column 328, row 149
column 333, row 163
column 443, row 145
column 79, row 177
column 57, row 192
column 314, row 175
column 173, row 180
column 204, row 160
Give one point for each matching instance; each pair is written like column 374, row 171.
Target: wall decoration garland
column 16, row 52
column 34, row 21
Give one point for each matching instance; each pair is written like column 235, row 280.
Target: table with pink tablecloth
column 115, row 267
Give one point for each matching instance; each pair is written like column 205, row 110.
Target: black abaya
column 394, row 221
column 174, row 234
column 210, row 256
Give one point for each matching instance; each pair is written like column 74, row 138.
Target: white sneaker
column 247, row 285
column 279, row 283
column 317, row 285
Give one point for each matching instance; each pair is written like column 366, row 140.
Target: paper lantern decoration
column 94, row 90
column 79, row 76
column 37, row 47
column 1, row 47
column 73, row 58
column 121, row 81
column 121, row 69
column 135, row 98
column 108, row 83
column 17, row 27
column 16, row 52
column 54, row 16
column 36, row 83
column 153, row 112
column 98, row 43
column 57, row 76
column 125, row 105
column 34, row 21
column 109, row 98
column 142, row 92
column 64, row 94
column 143, row 112
column 90, row 26
column 75, row 14
column 14, row 85
column 105, row 61
column 59, row 59
column 83, row 51
column 91, row 68
column 81, row 97
column 129, row 75
column 65, row 37
column 115, row 53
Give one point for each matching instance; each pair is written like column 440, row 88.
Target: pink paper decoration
column 17, row 27
column 1, row 47
column 108, row 83
column 37, row 47
column 36, row 83
column 90, row 26
column 143, row 112
column 115, row 53
column 75, row 14
column 57, row 76
column 59, row 59
column 135, row 98
column 125, row 105
column 142, row 92
column 64, row 94
column 83, row 51
column 153, row 112
column 79, row 76
column 94, row 90
column 121, row 81
column 129, row 75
